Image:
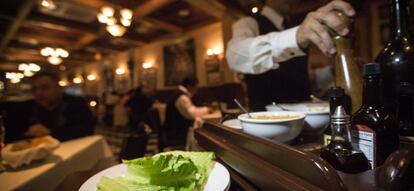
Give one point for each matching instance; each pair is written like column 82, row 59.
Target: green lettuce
column 171, row 171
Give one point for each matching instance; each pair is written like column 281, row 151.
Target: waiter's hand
column 314, row 28
column 37, row 130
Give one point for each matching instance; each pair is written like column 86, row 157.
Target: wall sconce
column 147, row 65
column 91, row 77
column 77, row 80
column 214, row 52
column 63, row 83
column 120, row 71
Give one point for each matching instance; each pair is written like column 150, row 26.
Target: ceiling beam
column 216, row 8
column 43, row 39
column 155, row 23
column 24, row 11
column 53, row 23
column 149, row 7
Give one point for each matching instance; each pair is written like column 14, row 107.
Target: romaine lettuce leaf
column 172, row 171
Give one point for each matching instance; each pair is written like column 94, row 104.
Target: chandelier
column 29, row 69
column 55, row 55
column 116, row 21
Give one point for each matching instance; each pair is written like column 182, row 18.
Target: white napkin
column 26, row 156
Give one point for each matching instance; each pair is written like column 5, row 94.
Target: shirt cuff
column 287, row 45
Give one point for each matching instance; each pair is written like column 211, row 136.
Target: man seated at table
column 52, row 112
column 181, row 112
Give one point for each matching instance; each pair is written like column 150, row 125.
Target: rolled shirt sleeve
column 251, row 53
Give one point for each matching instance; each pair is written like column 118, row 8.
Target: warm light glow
column 62, row 68
column 23, row 67
column 217, row 50
column 91, row 77
column 55, row 60
column 15, row 80
column 34, row 67
column 126, row 13
column 28, row 73
column 102, row 18
column 48, row 4
column 108, row 11
column 111, row 21
column 255, row 10
column 62, row 83
column 92, row 103
column 62, row 52
column 120, row 71
column 210, row 52
column 47, row 51
column 147, row 65
column 77, row 80
column 126, row 22
column 116, row 30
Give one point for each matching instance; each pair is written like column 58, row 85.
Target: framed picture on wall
column 213, row 72
column 148, row 79
column 179, row 62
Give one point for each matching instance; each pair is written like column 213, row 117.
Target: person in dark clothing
column 181, row 112
column 55, row 113
column 139, row 104
column 272, row 53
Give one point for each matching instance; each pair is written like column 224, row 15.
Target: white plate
column 233, row 123
column 308, row 108
column 218, row 180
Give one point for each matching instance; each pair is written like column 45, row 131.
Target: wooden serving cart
column 260, row 164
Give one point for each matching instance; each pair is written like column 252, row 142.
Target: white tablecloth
column 75, row 155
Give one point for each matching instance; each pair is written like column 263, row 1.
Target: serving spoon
column 242, row 108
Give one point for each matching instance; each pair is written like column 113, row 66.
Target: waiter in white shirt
column 272, row 56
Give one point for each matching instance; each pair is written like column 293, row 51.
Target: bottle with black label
column 340, row 153
column 405, row 115
column 336, row 98
column 373, row 128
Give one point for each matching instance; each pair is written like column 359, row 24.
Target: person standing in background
column 272, row 55
column 181, row 112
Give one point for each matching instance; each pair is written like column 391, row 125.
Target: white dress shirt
column 251, row 53
column 186, row 107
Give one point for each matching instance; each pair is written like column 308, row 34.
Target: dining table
column 71, row 156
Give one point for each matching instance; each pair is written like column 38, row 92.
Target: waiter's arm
column 251, row 53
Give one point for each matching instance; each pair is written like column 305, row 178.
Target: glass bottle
column 373, row 128
column 347, row 72
column 405, row 115
column 397, row 57
column 340, row 153
column 336, row 98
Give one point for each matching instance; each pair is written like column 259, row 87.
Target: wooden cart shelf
column 259, row 164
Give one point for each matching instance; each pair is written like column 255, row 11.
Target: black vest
column 289, row 83
column 175, row 125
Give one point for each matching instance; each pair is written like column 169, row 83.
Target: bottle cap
column 340, row 116
column 336, row 92
column 372, row 69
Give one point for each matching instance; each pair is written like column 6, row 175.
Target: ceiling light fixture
column 120, row 71
column 111, row 17
column 55, row 55
column 255, row 10
column 62, row 83
column 28, row 69
column 91, row 77
column 77, row 80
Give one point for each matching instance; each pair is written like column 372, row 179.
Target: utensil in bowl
column 242, row 108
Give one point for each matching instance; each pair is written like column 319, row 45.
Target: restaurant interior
column 127, row 59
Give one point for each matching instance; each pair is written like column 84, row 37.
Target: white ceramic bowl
column 317, row 115
column 281, row 130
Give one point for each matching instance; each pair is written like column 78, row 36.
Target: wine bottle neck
column 399, row 17
column 372, row 91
